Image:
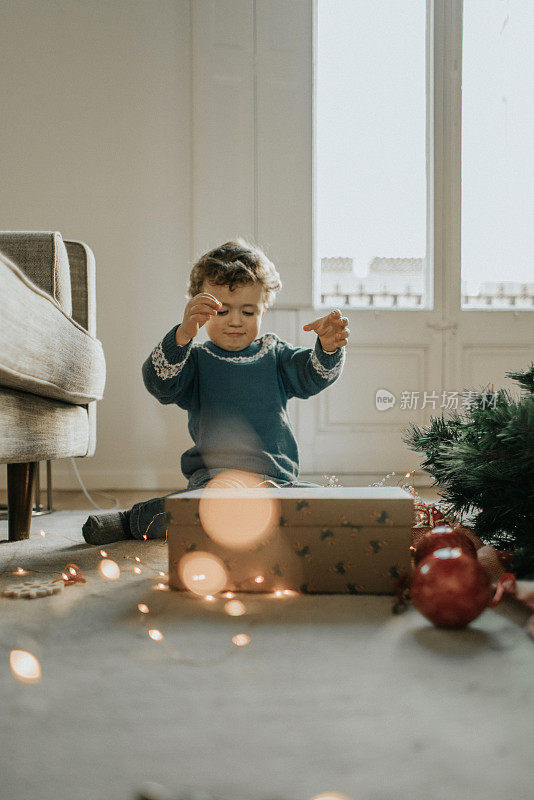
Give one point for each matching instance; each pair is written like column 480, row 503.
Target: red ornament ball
column 442, row 536
column 450, row 588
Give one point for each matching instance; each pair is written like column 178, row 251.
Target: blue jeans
column 148, row 518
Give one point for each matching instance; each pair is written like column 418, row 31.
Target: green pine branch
column 482, row 460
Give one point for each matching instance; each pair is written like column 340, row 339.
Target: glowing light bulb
column 209, row 597
column 103, row 554
column 278, row 593
column 24, row 666
column 42, row 533
column 259, row 578
column 156, row 635
column 143, row 608
column 137, row 558
column 109, row 569
column 228, row 594
column 137, row 570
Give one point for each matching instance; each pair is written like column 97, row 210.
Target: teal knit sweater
column 237, row 401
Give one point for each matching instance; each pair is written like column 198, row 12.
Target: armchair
column 52, row 366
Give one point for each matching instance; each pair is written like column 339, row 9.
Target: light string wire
column 84, row 490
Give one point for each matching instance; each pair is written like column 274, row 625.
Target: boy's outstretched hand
column 332, row 330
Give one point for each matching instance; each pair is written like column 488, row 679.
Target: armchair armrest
column 83, row 281
column 83, row 284
column 42, row 256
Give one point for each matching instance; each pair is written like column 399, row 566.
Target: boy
column 235, row 387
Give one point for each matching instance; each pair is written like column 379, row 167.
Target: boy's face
column 238, row 321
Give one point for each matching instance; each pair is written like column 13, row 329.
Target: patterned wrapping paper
column 333, row 540
column 359, row 505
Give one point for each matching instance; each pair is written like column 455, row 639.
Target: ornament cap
column 442, row 529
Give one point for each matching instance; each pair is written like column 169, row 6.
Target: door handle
column 443, row 325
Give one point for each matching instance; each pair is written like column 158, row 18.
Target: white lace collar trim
column 268, row 341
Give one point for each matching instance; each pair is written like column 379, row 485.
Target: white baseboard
column 64, row 478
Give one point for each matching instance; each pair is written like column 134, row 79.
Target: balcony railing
column 373, row 299
column 498, row 301
column 414, row 300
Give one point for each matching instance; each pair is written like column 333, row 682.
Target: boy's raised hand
column 331, row 329
column 197, row 312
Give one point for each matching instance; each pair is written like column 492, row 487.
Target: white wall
column 95, row 143
column 153, row 130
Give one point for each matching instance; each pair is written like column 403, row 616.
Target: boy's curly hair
column 235, row 263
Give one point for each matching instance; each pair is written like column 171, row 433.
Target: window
column 370, row 153
column 497, row 158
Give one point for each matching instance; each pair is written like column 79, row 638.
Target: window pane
column 370, row 168
column 497, row 155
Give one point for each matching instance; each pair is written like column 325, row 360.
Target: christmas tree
column 482, row 460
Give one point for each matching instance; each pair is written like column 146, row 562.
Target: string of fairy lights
column 26, row 667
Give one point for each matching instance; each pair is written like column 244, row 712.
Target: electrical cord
column 117, row 504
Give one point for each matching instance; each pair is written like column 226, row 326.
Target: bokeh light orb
column 202, row 573
column 24, row 666
column 237, row 510
column 109, row 569
column 331, row 796
column 235, row 608
column 241, row 639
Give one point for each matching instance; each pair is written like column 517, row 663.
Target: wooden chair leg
column 20, row 491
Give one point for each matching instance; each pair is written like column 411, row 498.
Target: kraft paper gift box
column 333, row 539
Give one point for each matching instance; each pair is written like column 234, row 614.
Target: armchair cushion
column 42, row 349
column 39, row 429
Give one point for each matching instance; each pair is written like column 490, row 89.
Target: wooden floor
column 76, row 500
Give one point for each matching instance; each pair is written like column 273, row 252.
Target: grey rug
column 332, row 693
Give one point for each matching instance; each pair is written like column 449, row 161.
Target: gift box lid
column 350, row 506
